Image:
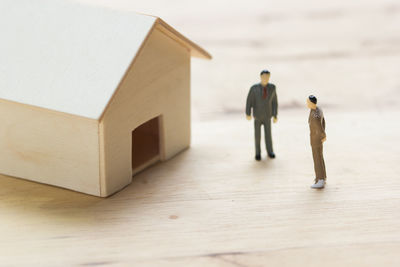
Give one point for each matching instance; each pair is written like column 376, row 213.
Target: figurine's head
column 265, row 77
column 312, row 102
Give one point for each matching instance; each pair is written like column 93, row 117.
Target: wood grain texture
column 213, row 205
column 49, row 147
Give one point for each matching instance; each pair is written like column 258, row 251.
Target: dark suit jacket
column 263, row 109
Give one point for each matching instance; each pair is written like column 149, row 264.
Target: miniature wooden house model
column 88, row 95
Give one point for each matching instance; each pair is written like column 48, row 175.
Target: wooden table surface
column 213, row 205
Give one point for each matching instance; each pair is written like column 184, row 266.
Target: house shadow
column 34, row 200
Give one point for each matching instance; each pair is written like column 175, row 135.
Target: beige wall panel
column 49, row 147
column 158, row 84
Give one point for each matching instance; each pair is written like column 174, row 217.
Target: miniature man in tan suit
column 316, row 121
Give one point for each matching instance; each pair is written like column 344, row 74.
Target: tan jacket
column 316, row 122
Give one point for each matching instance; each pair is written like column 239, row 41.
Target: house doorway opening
column 146, row 145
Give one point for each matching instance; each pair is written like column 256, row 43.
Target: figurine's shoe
column 319, row 185
column 271, row 155
column 258, row 157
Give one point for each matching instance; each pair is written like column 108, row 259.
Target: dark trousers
column 267, row 135
column 319, row 163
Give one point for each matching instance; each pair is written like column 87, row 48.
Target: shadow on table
column 157, row 184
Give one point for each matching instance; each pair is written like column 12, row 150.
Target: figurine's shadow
column 264, row 163
column 261, row 168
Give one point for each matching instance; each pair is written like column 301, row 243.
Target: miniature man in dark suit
column 263, row 100
column 316, row 122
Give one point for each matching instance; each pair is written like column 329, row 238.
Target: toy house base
column 95, row 146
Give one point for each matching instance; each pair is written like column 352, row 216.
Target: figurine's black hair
column 313, row 99
column 264, row 72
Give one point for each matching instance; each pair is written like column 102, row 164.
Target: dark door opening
column 145, row 143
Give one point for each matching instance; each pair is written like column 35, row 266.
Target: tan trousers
column 319, row 163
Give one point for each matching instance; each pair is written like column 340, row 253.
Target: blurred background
column 347, row 53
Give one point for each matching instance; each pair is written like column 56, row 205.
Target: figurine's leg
column 268, row 138
column 319, row 164
column 315, row 159
column 323, row 170
column 257, row 136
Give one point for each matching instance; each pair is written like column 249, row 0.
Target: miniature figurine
column 316, row 121
column 263, row 100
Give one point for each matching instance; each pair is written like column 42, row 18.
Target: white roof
column 64, row 56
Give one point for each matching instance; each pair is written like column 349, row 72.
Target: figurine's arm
column 249, row 104
column 275, row 107
column 323, row 130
